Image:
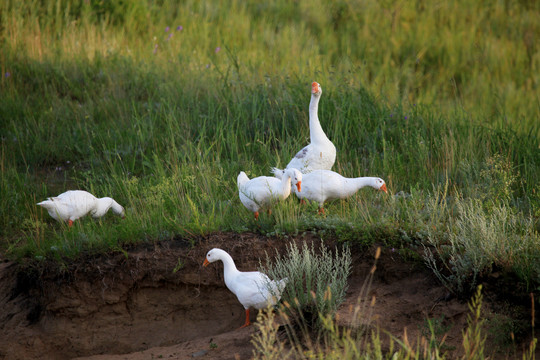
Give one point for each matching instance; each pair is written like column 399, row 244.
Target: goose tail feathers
column 46, row 203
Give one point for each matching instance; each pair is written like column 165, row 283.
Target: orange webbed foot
column 247, row 323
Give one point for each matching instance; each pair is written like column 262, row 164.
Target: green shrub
column 317, row 282
column 492, row 182
column 478, row 240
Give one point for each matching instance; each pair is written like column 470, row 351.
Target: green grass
column 316, row 282
column 440, row 100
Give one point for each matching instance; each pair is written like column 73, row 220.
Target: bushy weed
column 492, row 182
column 476, row 241
column 317, row 280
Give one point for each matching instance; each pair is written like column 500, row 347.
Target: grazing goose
column 260, row 191
column 320, row 153
column 253, row 289
column 73, row 204
column 324, row 185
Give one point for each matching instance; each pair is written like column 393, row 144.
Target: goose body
column 326, row 185
column 253, row 288
column 262, row 190
column 321, row 152
column 74, row 204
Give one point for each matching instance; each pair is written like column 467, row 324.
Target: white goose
column 73, row 204
column 321, row 152
column 324, row 185
column 253, row 289
column 260, row 191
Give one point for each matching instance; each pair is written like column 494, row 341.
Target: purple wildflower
column 391, row 115
column 218, row 49
column 155, row 48
column 179, row 28
column 405, row 117
column 7, row 74
column 167, row 29
column 170, row 36
column 207, row 66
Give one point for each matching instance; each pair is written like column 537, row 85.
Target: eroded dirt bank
column 136, row 305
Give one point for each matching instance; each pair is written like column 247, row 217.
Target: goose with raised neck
column 320, row 154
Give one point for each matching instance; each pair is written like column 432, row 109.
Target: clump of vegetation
column 492, row 182
column 317, row 281
column 485, row 233
column 435, row 330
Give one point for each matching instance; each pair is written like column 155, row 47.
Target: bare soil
column 134, row 305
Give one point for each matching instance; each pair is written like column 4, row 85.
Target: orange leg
column 256, row 215
column 247, row 323
column 321, row 211
column 302, row 201
column 70, row 223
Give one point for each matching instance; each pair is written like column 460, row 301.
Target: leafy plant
column 435, row 330
column 317, row 281
column 492, row 182
column 473, row 337
column 478, row 240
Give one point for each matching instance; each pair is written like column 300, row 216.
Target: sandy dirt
column 135, row 305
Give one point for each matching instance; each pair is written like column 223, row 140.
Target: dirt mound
column 158, row 301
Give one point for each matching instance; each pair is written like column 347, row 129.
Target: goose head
column 296, row 177
column 380, row 185
column 213, row 255
column 316, row 89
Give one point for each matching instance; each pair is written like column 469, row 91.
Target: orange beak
column 206, row 262
column 299, row 186
column 314, row 87
column 383, row 188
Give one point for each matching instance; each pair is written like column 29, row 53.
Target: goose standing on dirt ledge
column 74, row 204
column 321, row 152
column 253, row 289
column 323, row 185
column 261, row 190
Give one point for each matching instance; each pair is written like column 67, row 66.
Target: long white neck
column 228, row 263
column 102, row 206
column 316, row 132
column 117, row 208
column 285, row 190
column 352, row 185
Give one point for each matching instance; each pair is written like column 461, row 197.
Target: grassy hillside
column 160, row 105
